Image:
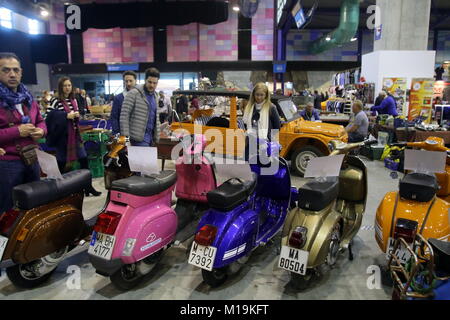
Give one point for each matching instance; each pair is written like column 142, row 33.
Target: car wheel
column 301, row 157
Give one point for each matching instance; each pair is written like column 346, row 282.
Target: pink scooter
column 139, row 224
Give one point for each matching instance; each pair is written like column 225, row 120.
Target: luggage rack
column 422, row 254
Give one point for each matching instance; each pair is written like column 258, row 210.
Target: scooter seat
column 231, row 194
column 34, row 194
column 418, row 187
column 146, row 186
column 317, row 195
column 442, row 254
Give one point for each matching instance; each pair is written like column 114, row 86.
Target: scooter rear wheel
column 127, row 277
column 300, row 282
column 216, row 277
column 22, row 278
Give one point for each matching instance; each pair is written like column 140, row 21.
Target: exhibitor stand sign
column 421, row 99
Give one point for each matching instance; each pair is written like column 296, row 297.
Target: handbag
column 27, row 153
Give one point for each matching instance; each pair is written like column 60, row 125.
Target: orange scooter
column 435, row 144
column 417, row 208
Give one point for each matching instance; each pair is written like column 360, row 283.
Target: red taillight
column 405, row 229
column 7, row 220
column 205, row 236
column 107, row 222
column 298, row 237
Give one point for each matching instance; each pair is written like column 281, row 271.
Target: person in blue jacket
column 129, row 79
column 387, row 106
column 310, row 114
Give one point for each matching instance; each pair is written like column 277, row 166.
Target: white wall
column 43, row 80
column 401, row 64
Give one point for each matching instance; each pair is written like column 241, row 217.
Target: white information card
column 48, row 165
column 143, row 159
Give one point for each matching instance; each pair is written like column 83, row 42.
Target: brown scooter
column 327, row 217
column 46, row 224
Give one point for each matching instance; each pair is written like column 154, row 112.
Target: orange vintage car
column 301, row 140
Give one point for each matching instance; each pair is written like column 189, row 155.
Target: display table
column 383, row 128
column 419, row 135
column 165, row 146
column 95, row 123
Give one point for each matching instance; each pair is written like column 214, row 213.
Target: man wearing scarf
column 21, row 124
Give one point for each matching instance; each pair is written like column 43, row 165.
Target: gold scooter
column 328, row 215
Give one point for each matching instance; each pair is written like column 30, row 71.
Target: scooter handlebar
column 370, row 142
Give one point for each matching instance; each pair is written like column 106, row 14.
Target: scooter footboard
column 236, row 239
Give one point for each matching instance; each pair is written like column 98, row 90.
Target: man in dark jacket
column 82, row 103
column 310, row 113
column 21, row 124
column 129, row 79
column 182, row 105
column 317, row 100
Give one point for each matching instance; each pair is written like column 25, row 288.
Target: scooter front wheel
column 23, row 276
column 127, row 277
column 216, row 277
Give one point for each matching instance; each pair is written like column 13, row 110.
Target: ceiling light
column 236, row 8
column 44, row 13
column 354, row 39
column 328, row 38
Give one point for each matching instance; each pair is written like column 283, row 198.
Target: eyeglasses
column 8, row 70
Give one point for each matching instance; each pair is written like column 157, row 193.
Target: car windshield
column 289, row 110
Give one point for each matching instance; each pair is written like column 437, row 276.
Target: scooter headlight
column 128, row 248
column 332, row 145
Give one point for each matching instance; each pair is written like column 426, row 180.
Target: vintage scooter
column 329, row 214
column 426, row 274
column 139, row 224
column 46, row 225
column 414, row 209
column 435, row 144
column 243, row 216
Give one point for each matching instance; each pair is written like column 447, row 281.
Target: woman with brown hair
column 261, row 116
column 63, row 129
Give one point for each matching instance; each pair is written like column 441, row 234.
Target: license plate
column 293, row 260
column 102, row 245
column 202, row 257
column 3, row 243
column 402, row 253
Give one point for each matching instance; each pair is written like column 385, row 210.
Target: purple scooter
column 243, row 216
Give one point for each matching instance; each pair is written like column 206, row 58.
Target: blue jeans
column 14, row 173
column 355, row 137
